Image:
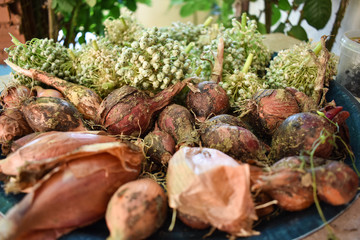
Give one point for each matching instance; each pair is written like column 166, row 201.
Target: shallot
column 238, row 142
column 39, row 148
column 12, row 126
column 207, row 184
column 52, row 114
column 179, row 123
column 84, row 99
column 136, row 210
column 72, row 195
column 130, row 111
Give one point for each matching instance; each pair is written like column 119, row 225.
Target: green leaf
column 147, row 2
column 317, row 12
column 131, row 5
column 298, row 32
column 276, row 14
column 187, row 9
column 91, row 3
column 298, row 2
column 284, row 5
column 261, row 28
column 280, row 28
column 65, row 6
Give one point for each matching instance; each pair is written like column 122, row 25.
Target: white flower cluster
column 123, row 29
column 95, row 66
column 239, row 43
column 295, row 67
column 42, row 54
column 153, row 62
column 240, row 86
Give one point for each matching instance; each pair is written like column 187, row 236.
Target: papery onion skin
column 39, row 148
column 136, row 210
column 12, row 126
column 213, row 187
column 52, row 114
column 65, row 199
column 207, row 100
column 12, row 97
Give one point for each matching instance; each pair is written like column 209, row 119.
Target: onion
column 235, row 141
column 12, row 127
column 74, row 194
column 159, row 146
column 38, row 148
column 41, row 92
column 12, row 97
column 52, row 114
column 136, row 210
column 208, row 99
column 211, row 186
column 130, row 111
column 84, row 99
column 269, row 108
column 298, row 133
column 177, row 121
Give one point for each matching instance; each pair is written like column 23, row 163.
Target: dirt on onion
column 136, row 210
column 177, row 121
column 52, row 114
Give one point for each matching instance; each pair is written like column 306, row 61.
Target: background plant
column 315, row 13
column 77, row 17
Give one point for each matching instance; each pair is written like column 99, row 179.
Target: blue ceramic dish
column 287, row 225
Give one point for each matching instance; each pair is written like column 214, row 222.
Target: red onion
column 208, row 99
column 130, row 111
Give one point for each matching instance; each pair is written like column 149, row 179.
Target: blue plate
column 287, row 225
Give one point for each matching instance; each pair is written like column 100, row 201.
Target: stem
column 189, row 47
column 339, row 17
column 208, row 21
column 52, row 21
column 216, row 75
column 268, row 13
column 70, row 38
column 317, row 48
column 316, row 200
column 15, row 40
column 243, row 25
column 247, row 63
column 95, row 45
column 173, row 220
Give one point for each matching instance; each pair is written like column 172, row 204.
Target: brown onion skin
column 52, row 114
column 179, row 123
column 13, row 96
column 238, row 142
column 210, row 100
column 12, row 126
column 298, row 133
